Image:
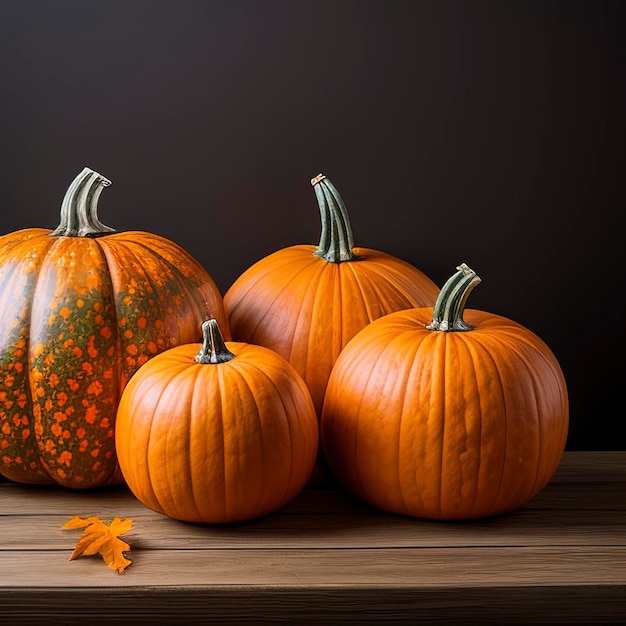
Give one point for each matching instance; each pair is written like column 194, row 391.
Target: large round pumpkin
column 445, row 414
column 81, row 308
column 306, row 302
column 223, row 432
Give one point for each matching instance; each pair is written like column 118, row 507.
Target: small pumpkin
column 218, row 433
column 82, row 307
column 445, row 413
column 306, row 302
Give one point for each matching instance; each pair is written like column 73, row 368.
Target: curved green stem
column 450, row 304
column 79, row 210
column 213, row 349
column 336, row 238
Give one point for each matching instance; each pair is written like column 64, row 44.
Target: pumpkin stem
column 336, row 238
column 79, row 210
column 450, row 304
column 213, row 349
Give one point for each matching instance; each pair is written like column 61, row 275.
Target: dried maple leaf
column 101, row 538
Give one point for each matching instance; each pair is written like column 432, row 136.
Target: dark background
column 485, row 132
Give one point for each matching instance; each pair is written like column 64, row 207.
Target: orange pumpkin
column 307, row 302
column 82, row 307
column 444, row 413
column 223, row 432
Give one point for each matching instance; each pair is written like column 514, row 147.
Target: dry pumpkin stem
column 450, row 304
column 213, row 348
column 336, row 241
column 79, row 209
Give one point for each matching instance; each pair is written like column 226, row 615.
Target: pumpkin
column 216, row 433
column 306, row 302
column 445, row 413
column 83, row 307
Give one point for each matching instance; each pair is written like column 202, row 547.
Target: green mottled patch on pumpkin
column 151, row 320
column 74, row 383
column 19, row 454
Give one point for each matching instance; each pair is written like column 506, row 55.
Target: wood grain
column 327, row 557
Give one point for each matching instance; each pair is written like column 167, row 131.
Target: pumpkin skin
column 445, row 425
column 225, row 436
column 307, row 302
column 81, row 311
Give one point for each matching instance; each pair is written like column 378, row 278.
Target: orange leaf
column 101, row 538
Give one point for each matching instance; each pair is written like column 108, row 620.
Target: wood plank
column 458, row 606
column 590, row 466
column 19, row 499
column 153, row 531
column 581, row 496
column 39, row 500
column 406, row 567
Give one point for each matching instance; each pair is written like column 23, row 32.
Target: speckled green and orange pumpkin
column 81, row 309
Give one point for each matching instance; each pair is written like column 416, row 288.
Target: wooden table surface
column 327, row 558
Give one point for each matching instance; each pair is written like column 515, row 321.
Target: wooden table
column 327, row 558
